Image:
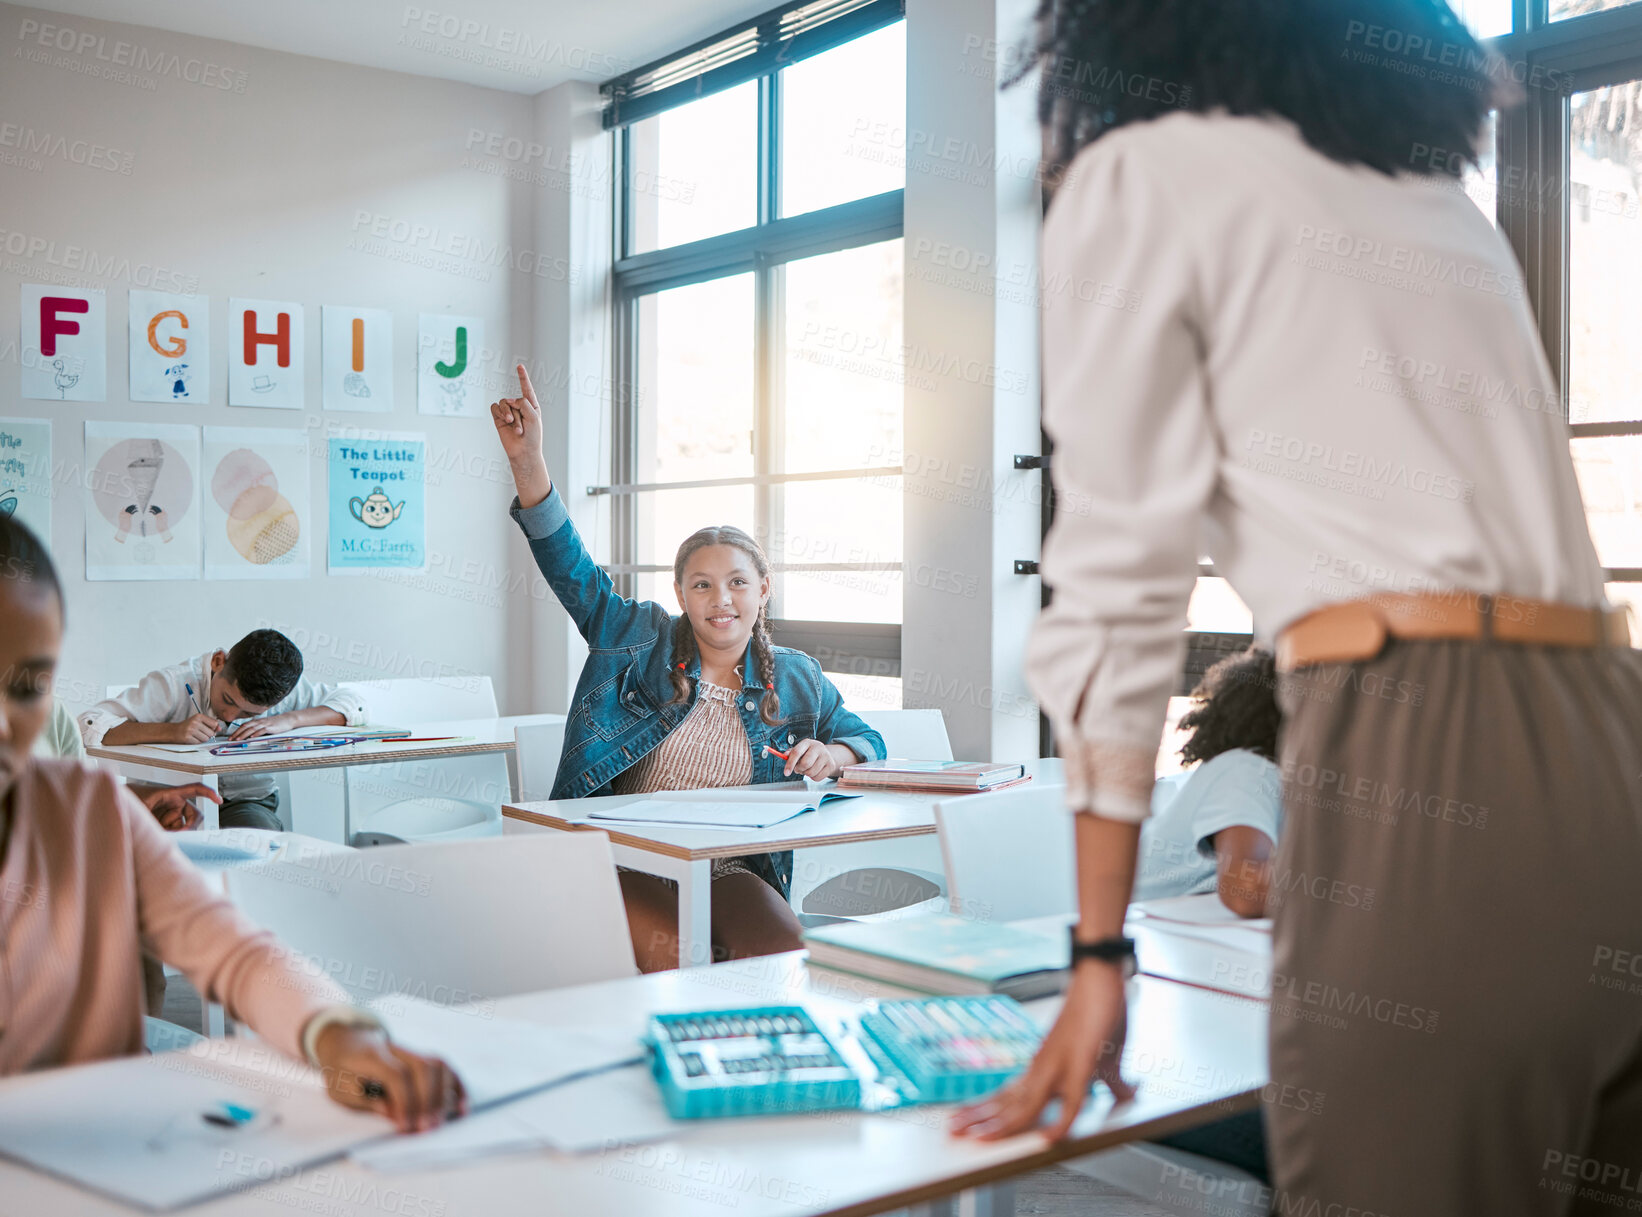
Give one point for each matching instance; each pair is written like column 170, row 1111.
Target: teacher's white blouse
column 1324, row 378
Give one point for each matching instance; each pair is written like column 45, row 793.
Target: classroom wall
column 973, row 207
column 271, row 188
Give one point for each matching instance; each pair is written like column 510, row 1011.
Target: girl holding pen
column 667, row 702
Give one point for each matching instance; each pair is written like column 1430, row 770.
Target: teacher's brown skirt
column 1457, row 988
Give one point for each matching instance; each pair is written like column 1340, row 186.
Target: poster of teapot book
column 256, row 503
column 142, row 501
column 378, row 516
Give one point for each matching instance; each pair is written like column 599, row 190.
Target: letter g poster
column 378, row 503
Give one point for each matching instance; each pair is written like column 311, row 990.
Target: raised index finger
column 525, row 386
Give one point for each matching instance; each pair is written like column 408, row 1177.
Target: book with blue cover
column 940, row 953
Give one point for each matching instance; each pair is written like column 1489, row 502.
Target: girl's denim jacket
column 621, row 711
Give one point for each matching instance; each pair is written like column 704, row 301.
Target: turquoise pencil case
column 774, row 1059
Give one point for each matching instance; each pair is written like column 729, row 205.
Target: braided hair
column 684, row 637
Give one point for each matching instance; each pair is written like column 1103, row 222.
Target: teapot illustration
column 376, row 510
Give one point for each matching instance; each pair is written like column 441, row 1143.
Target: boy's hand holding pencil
column 195, row 729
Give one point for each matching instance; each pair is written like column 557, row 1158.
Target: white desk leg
column 994, row 1200
column 208, row 809
column 695, row 915
column 347, row 814
column 944, row 1207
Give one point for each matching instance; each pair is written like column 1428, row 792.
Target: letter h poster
column 377, row 503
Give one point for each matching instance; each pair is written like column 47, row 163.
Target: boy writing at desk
column 255, row 688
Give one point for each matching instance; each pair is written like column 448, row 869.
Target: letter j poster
column 378, row 508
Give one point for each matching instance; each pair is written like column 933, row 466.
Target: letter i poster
column 378, row 513
column 65, row 343
column 265, row 353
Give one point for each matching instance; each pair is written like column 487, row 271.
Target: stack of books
column 939, row 953
column 938, row 777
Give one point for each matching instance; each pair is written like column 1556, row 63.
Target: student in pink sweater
column 88, row 881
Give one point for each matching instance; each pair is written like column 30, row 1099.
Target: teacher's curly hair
column 1236, row 708
column 1397, row 85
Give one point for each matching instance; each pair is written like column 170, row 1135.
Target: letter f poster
column 378, row 503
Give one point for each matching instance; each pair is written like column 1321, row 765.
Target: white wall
column 972, row 222
column 258, row 193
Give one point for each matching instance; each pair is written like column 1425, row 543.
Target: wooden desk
column 147, row 762
column 686, row 854
column 1195, row 1056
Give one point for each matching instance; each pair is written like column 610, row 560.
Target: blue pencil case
column 775, row 1059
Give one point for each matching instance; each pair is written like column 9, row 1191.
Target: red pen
column 775, row 752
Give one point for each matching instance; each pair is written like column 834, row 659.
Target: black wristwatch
column 1120, row 951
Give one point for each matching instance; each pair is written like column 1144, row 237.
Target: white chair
column 845, row 881
column 911, row 735
column 452, row 799
column 1008, row 854
column 537, row 748
column 449, row 923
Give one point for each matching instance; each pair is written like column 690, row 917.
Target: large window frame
column 1583, row 53
column 757, row 50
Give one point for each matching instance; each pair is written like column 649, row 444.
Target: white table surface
column 1194, row 1055
column 146, row 762
column 685, row 854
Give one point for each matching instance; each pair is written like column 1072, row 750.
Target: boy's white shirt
column 162, row 697
column 1235, row 789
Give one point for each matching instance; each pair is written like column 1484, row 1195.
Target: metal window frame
column 1587, row 52
column 763, row 251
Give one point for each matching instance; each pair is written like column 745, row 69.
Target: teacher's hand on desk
column 363, row 1069
column 1085, row 1044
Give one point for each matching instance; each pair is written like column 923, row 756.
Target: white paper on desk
column 808, row 796
column 1205, row 909
column 225, row 846
column 135, row 1128
column 497, row 1058
column 621, row 1106
column 685, row 813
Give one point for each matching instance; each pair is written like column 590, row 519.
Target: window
column 1575, row 145
column 1578, row 8
column 757, row 302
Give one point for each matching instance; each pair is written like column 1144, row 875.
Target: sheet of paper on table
column 172, row 1129
column 498, row 1058
column 619, row 1107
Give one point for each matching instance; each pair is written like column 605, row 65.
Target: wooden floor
column 1055, row 1192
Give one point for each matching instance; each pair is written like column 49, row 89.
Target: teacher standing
column 1332, row 384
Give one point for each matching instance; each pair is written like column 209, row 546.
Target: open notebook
column 734, row 807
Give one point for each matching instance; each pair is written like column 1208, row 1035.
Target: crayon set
column 774, row 1059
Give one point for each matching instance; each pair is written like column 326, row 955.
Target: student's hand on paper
column 274, row 724
column 196, row 729
column 173, row 806
column 363, row 1069
column 519, row 422
column 812, row 759
column 1085, row 1043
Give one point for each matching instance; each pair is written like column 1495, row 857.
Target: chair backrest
column 911, row 735
column 1009, row 854
column 537, row 747
column 412, row 700
column 449, row 923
